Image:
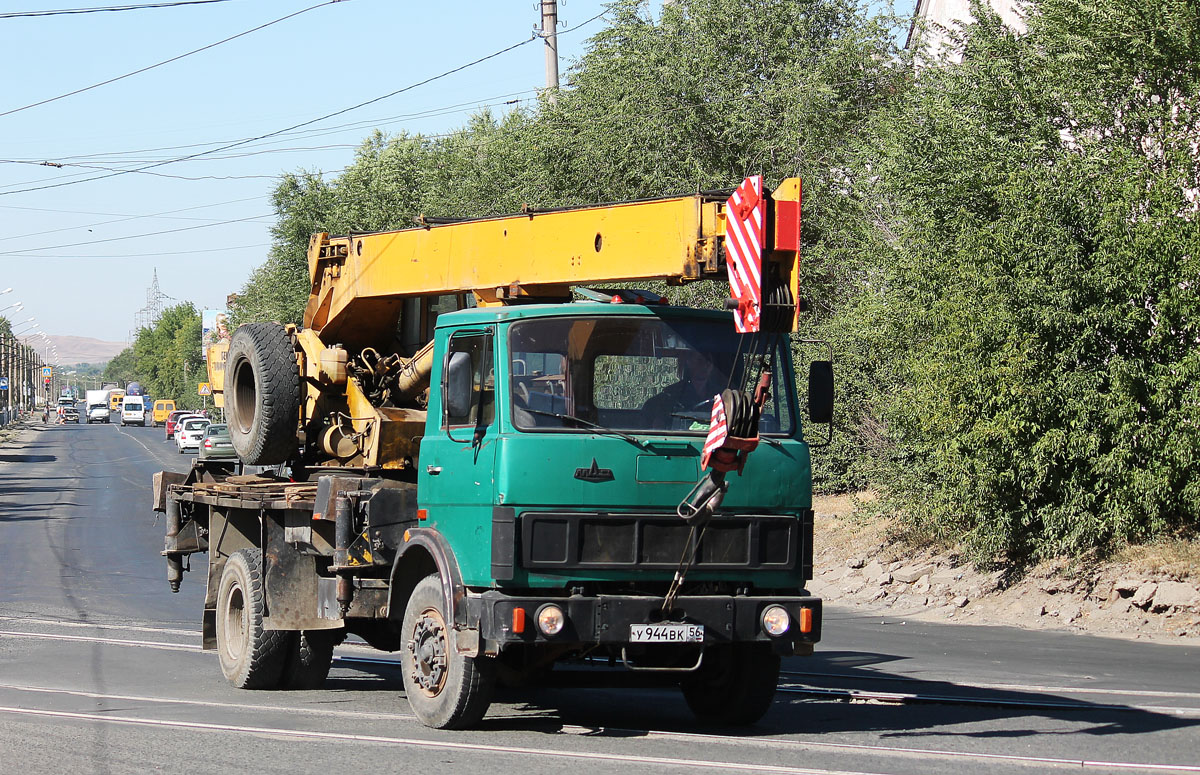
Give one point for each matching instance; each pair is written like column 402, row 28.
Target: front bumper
column 606, row 619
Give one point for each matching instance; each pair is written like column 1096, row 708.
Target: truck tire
column 251, row 657
column 735, row 685
column 309, row 656
column 262, row 394
column 445, row 689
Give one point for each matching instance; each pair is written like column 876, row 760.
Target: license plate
column 666, row 633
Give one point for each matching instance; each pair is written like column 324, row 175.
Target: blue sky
column 80, row 257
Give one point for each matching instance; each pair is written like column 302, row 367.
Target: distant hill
column 82, row 349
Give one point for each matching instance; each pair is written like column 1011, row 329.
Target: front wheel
column 735, row 685
column 251, row 657
column 445, row 689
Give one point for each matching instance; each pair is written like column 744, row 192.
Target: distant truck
column 97, row 406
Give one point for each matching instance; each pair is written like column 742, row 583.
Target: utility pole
column 549, row 33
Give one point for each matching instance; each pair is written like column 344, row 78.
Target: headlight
column 551, row 619
column 775, row 620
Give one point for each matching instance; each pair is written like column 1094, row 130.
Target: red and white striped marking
column 718, row 431
column 746, row 218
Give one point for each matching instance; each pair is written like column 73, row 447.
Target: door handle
column 433, row 470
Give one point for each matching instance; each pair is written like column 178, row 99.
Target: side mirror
column 457, row 392
column 820, row 391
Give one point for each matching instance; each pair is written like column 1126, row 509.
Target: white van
column 133, row 411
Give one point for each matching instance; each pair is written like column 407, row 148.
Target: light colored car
column 189, row 433
column 216, row 444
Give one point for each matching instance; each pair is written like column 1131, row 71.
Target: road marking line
column 436, row 744
column 111, row 641
column 890, row 749
column 575, row 729
column 898, row 697
column 211, row 704
column 121, row 430
column 151, row 644
column 70, row 623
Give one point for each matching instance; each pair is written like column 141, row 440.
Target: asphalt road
column 101, row 672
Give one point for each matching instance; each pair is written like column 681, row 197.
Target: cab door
column 456, row 474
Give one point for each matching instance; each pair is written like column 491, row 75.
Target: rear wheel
column 309, row 657
column 251, row 657
column 445, row 689
column 735, row 685
column 262, row 394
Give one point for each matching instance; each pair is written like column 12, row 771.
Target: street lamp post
column 19, row 376
column 6, row 369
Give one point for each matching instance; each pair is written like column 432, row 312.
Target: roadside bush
column 1041, row 292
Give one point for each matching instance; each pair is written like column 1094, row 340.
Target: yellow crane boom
column 375, row 296
column 360, row 278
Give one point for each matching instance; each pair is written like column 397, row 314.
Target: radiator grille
column 564, row 541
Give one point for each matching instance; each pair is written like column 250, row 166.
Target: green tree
column 1032, row 258
column 653, row 108
column 168, row 356
column 122, row 369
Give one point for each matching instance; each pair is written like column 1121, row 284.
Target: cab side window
column 469, row 394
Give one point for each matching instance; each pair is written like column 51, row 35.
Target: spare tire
column 262, row 394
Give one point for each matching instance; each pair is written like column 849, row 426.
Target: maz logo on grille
column 594, row 474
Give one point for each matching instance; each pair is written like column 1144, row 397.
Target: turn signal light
column 806, row 620
column 518, row 622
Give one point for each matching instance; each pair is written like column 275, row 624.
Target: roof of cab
column 483, row 315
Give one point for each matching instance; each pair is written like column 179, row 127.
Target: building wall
column 942, row 16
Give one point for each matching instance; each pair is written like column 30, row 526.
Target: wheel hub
column 428, row 649
column 236, row 625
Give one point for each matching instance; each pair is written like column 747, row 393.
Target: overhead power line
column 167, row 61
column 432, row 112
column 303, row 123
column 293, row 127
column 126, row 216
column 169, row 215
column 154, row 254
column 139, row 236
column 69, row 11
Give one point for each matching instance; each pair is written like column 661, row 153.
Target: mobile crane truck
column 495, row 480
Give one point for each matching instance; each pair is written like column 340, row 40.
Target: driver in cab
column 693, row 392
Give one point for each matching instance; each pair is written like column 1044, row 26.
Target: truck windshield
column 633, row 374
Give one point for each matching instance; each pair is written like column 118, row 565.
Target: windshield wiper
column 586, row 424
